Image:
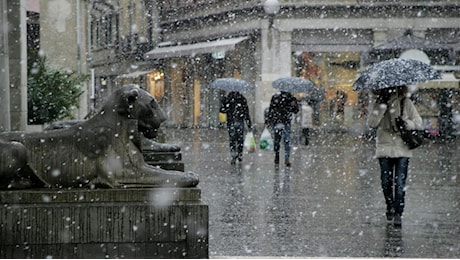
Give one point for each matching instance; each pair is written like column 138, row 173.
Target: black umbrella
column 231, row 84
column 294, row 85
column 394, row 73
column 317, row 95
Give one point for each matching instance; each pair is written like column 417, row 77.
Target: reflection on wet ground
column 328, row 204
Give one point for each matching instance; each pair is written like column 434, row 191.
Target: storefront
column 188, row 72
column 438, row 103
column 327, row 51
column 333, row 72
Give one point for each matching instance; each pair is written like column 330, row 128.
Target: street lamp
column 271, row 7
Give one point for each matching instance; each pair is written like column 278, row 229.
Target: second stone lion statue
column 104, row 151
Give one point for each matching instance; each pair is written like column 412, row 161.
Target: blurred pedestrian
column 445, row 122
column 235, row 106
column 392, row 153
column 306, row 120
column 282, row 106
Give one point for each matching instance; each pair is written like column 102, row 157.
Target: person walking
column 282, row 106
column 235, row 106
column 392, row 153
column 306, row 120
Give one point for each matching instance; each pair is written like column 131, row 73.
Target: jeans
column 282, row 130
column 394, row 173
column 236, row 136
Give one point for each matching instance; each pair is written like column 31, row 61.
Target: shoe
column 397, row 221
column 233, row 161
column 390, row 214
column 240, row 157
column 277, row 158
column 287, row 163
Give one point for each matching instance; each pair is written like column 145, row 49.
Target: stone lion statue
column 104, row 151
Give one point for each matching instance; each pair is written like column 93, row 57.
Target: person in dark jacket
column 235, row 106
column 282, row 106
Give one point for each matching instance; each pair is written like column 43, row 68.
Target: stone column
column 4, row 70
column 66, row 20
column 380, row 36
column 275, row 63
column 419, row 33
column 17, row 49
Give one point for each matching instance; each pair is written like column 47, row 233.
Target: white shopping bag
column 266, row 140
column 250, row 142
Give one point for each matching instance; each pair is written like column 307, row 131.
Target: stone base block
column 165, row 160
column 105, row 223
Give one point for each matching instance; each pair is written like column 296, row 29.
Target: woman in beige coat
column 392, row 153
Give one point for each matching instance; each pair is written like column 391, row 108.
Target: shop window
column 156, row 84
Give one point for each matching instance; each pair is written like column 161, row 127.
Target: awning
column 393, row 48
column 133, row 74
column 448, row 81
column 194, row 49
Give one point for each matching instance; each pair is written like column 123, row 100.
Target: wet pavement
column 328, row 204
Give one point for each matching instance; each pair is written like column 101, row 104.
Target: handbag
column 266, row 140
column 412, row 138
column 250, row 142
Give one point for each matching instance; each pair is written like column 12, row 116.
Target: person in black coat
column 282, row 106
column 235, row 106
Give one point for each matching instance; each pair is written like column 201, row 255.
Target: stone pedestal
column 105, row 223
column 165, row 160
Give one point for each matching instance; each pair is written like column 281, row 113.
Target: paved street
column 328, row 204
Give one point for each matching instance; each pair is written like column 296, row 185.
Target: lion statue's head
column 135, row 103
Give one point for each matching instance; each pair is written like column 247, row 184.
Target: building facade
column 175, row 49
column 64, row 41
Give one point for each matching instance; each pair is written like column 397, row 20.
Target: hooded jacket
column 235, row 106
column 389, row 142
column 282, row 105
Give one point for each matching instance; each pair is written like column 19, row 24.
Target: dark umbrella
column 231, row 84
column 394, row 73
column 294, row 85
column 317, row 95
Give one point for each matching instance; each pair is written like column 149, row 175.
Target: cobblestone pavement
column 328, row 204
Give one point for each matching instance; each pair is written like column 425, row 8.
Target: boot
column 397, row 221
column 287, row 163
column 277, row 158
column 233, row 161
column 390, row 214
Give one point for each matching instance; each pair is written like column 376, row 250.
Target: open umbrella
column 231, row 84
column 317, row 95
column 394, row 73
column 294, row 85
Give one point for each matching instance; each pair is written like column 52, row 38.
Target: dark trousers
column 306, row 134
column 236, row 136
column 282, row 131
column 393, row 176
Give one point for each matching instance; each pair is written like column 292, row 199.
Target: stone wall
column 105, row 223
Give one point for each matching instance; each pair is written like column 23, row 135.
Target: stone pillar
column 276, row 63
column 380, row 36
column 17, row 49
column 66, row 20
column 4, row 70
column 419, row 33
